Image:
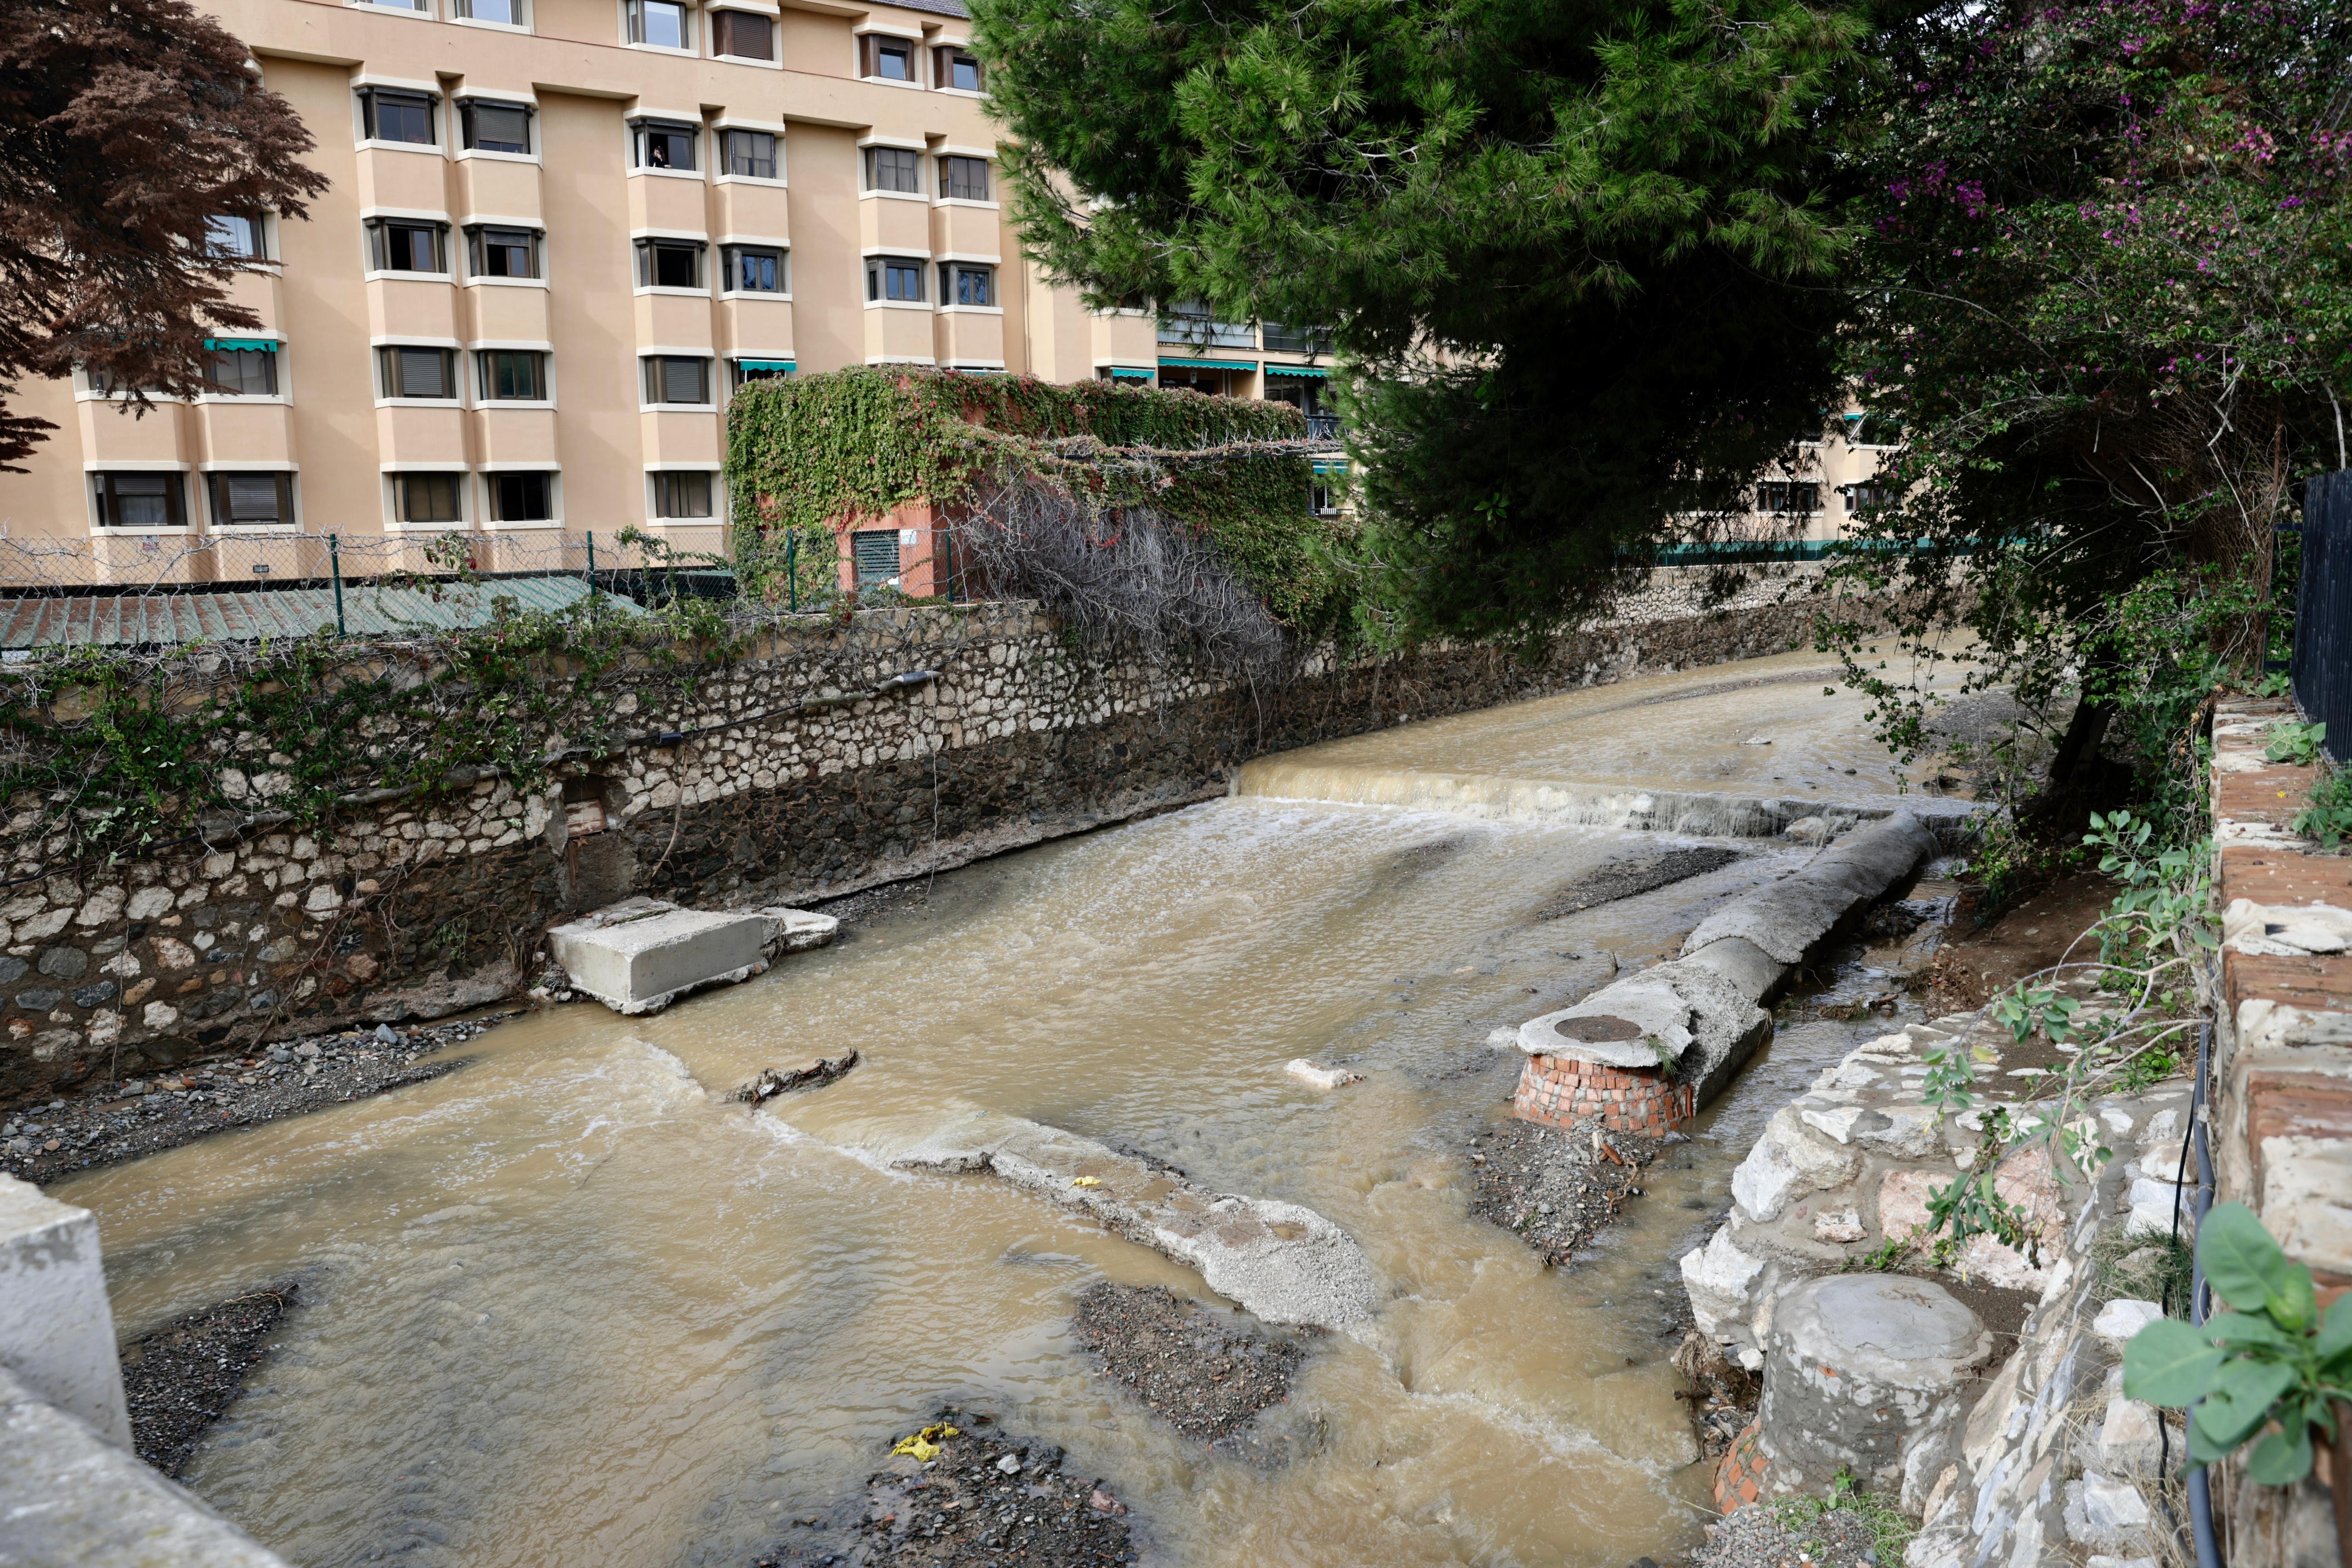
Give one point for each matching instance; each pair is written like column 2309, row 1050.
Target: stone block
column 2106, row 1514
column 2122, row 1318
column 57, row 1328
column 72, row 1499
column 1786, row 1163
column 640, row 955
column 1857, row 1368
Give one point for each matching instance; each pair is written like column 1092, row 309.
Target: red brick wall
column 1563, row 1091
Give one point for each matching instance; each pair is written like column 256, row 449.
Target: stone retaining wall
column 418, row 907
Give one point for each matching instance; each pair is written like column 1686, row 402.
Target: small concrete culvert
column 1284, row 1263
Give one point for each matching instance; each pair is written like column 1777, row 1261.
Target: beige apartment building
column 559, row 234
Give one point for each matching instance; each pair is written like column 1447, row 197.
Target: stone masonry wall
column 418, row 907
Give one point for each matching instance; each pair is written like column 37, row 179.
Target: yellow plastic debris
column 921, row 1445
column 1086, row 1181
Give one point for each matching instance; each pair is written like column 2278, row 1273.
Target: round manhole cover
column 1593, row 1029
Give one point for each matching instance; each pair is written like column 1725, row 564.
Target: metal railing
column 2321, row 668
column 1323, row 427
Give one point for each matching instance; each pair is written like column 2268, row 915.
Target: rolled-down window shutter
column 876, row 551
column 420, row 373
column 682, row 380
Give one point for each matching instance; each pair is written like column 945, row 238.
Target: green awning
column 268, row 343
column 1332, row 465
column 1304, row 372
column 1121, row 373
column 1208, row 364
column 787, row 366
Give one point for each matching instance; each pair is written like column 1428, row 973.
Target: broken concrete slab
column 57, row 1326
column 1308, row 1072
column 1282, row 1261
column 1697, row 1016
column 796, row 930
column 640, row 955
column 73, row 1499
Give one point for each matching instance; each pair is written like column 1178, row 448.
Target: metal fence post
column 592, row 573
column 335, row 569
column 792, row 573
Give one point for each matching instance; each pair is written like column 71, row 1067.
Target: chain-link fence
column 115, row 588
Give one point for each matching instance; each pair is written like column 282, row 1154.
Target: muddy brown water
column 568, row 1305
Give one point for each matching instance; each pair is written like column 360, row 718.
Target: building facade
column 559, row 236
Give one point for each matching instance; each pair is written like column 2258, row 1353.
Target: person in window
column 657, row 151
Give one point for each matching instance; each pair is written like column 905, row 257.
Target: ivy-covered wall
column 259, row 876
column 813, row 456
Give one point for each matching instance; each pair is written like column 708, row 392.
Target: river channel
column 568, row 1305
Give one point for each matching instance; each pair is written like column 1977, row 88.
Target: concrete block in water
column 72, row 1499
column 1282, row 1261
column 57, row 1329
column 1856, row 1366
column 640, row 955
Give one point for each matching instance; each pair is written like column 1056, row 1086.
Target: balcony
column 1281, row 340
column 1323, row 427
column 1197, row 329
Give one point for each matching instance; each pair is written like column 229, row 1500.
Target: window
column 669, row 264
column 1281, row 340
column 243, row 500
column 876, row 551
column 892, row 59
column 1874, row 429
column 505, row 12
column 748, row 370
column 232, row 236
column 502, row 252
column 754, row 270
column 958, row 68
column 894, row 278
column 1861, row 498
column 403, row 244
column 388, row 116
column 512, row 375
column 742, row 34
column 751, row 152
column 428, row 497
column 665, row 24
column 665, row 144
column 521, row 498
column 963, row 179
column 681, row 494
column 960, row 283
column 677, row 379
column 894, row 169
column 1192, row 323
column 243, row 372
column 1786, row 496
column 495, row 127
column 417, row 372
column 138, row 500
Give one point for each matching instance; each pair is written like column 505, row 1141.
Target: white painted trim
column 776, row 240
column 775, row 128
column 712, row 468
column 871, row 139
column 699, row 236
column 251, row 465
column 778, row 184
column 412, row 214
column 972, row 310
column 901, row 359
column 431, row 147
column 424, row 468
column 967, row 202
column 396, row 343
column 643, row 290
column 886, row 81
column 494, row 94
column 922, row 304
column 448, row 402
column 371, row 276
column 514, row 345
column 659, row 349
column 895, row 196
column 960, row 93
column 975, row 364
column 975, row 258
column 504, row 283
column 499, row 221
column 950, row 148
column 465, row 155
column 136, row 465
column 115, row 531
column 887, row 30
column 694, row 174
column 780, row 297
column 900, row 251
column 519, row 467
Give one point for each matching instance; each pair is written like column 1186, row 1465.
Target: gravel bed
column 984, row 1497
column 181, row 1379
column 1206, row 1373
column 1753, row 1536
column 120, row 1120
column 1553, row 1187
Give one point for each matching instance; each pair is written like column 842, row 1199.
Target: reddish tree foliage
column 126, row 126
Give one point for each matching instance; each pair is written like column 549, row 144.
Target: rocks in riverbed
column 180, row 1378
column 1207, row 1374
column 959, row 1492
column 1554, row 1187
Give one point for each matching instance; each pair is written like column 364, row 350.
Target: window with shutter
column 745, row 35
column 963, row 179
column 876, row 553
column 242, row 500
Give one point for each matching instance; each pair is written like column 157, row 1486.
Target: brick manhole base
column 1562, row 1091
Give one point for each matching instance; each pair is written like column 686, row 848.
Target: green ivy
column 806, row 453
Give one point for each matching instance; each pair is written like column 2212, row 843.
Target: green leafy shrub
column 2326, row 817
column 2272, row 1367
